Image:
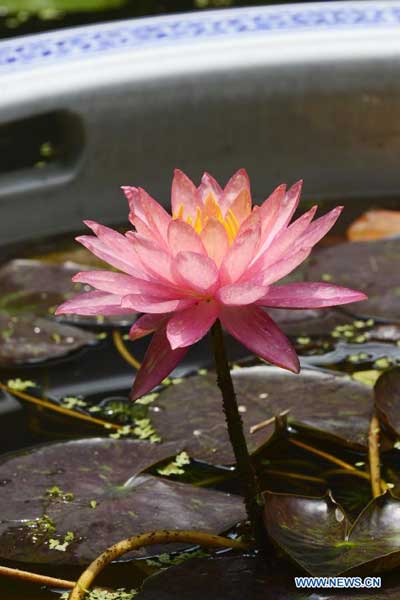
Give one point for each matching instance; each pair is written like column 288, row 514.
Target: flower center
column 210, row 210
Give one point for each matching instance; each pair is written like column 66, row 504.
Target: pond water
column 66, row 379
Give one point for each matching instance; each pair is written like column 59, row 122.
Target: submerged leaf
column 316, row 533
column 191, row 411
column 108, row 499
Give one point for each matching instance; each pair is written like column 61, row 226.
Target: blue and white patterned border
column 77, row 43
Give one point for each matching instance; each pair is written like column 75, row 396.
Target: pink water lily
column 217, row 256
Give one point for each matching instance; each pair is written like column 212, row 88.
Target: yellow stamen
column 233, row 219
column 229, row 230
column 231, row 225
column 211, row 210
column 179, row 214
column 198, row 225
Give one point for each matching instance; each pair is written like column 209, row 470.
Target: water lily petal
column 281, row 268
column 309, row 295
column 184, row 196
column 112, row 247
column 156, row 217
column 153, row 304
column 182, row 237
column 209, row 186
column 146, row 324
column 271, row 206
column 188, row 326
column 196, row 271
column 257, row 331
column 158, row 363
column 240, row 254
column 236, row 184
column 319, row 228
column 240, row 294
column 289, row 205
column 132, row 195
column 241, row 206
column 276, row 212
column 215, row 240
column 155, row 261
column 147, row 211
column 118, row 283
column 94, row 303
column 141, row 228
column 138, row 215
column 284, row 242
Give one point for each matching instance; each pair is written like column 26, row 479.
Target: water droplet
column 339, row 515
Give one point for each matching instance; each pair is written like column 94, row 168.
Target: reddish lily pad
column 374, row 225
column 243, row 578
column 95, row 489
column 34, row 286
column 29, row 339
column 317, row 535
column 308, row 322
column 191, row 411
column 387, row 399
column 372, row 267
column 223, row 578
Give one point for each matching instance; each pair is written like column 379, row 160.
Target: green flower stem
column 247, row 475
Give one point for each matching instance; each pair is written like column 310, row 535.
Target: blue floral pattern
column 73, row 44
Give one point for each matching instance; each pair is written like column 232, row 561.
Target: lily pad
column 387, row 399
column 308, row 322
column 377, row 353
column 38, row 287
column 28, row 339
column 374, row 225
column 191, row 413
column 242, row 578
column 86, row 495
column 372, row 267
column 316, row 533
column 234, row 577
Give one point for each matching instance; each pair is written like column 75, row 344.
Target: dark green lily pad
column 28, row 339
column 316, row 533
column 372, row 267
column 243, row 578
column 191, row 411
column 38, row 287
column 387, row 399
column 94, row 488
